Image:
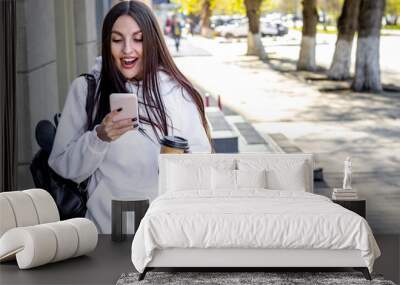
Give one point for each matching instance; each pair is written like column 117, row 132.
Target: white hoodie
column 128, row 166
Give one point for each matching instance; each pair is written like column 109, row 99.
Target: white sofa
column 31, row 231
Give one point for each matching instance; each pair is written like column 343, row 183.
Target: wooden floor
column 106, row 264
column 103, row 266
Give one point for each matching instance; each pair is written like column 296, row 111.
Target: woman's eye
column 138, row 39
column 116, row 40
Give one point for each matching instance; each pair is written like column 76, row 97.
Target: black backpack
column 69, row 196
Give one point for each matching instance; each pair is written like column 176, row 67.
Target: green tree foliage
column 223, row 7
column 234, row 7
column 229, row 7
column 190, row 7
column 288, row 6
column 392, row 7
column 331, row 7
column 269, row 6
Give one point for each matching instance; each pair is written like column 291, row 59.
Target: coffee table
column 119, row 206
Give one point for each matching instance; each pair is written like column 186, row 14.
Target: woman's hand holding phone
column 122, row 118
column 109, row 130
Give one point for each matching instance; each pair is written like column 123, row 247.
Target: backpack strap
column 56, row 119
column 90, row 99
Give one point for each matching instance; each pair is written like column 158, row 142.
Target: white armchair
column 31, row 231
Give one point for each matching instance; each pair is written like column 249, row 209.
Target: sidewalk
column 332, row 125
column 249, row 140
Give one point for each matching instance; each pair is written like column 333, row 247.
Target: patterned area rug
column 243, row 278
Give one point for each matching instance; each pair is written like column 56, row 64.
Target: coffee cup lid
column 175, row 142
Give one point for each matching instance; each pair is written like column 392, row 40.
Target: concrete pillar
column 37, row 90
column 85, row 34
column 65, row 43
column 102, row 8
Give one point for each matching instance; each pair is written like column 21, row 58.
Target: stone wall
column 56, row 41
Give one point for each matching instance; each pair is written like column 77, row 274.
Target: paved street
column 331, row 124
column 287, row 47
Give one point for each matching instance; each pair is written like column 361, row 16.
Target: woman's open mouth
column 128, row 63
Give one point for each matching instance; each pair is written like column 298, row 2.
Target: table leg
column 116, row 214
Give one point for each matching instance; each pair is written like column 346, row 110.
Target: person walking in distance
column 176, row 30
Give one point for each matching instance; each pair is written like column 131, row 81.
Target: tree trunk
column 347, row 26
column 367, row 75
column 205, row 19
column 307, row 49
column 254, row 43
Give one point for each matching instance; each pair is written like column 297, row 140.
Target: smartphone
column 129, row 104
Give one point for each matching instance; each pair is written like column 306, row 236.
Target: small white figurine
column 347, row 173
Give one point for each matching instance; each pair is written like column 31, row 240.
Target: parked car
column 240, row 28
column 234, row 28
column 275, row 28
column 220, row 20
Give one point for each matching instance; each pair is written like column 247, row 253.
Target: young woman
column 122, row 161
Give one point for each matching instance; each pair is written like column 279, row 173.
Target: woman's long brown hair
column 156, row 57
